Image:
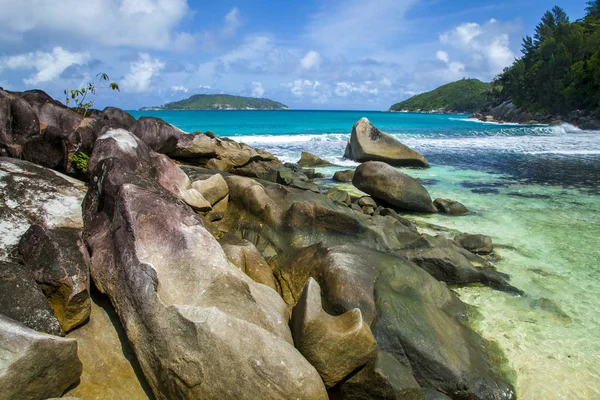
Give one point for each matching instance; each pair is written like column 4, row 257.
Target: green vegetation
column 78, row 96
column 560, row 68
column 79, row 161
column 466, row 95
column 223, row 102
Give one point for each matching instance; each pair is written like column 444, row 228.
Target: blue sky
column 328, row 54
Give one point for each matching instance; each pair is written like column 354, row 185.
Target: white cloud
column 482, row 48
column 386, row 82
column 312, row 59
column 203, row 86
column 347, row 25
column 317, row 92
column 232, row 22
column 142, row 72
column 343, row 89
column 179, row 88
column 139, row 23
column 257, row 89
column 49, row 66
column 443, row 56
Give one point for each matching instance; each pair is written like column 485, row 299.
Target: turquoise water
column 533, row 189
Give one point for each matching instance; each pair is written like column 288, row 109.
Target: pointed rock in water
column 386, row 183
column 335, row 346
column 367, row 143
column 308, row 160
column 58, row 261
column 35, row 365
column 184, row 306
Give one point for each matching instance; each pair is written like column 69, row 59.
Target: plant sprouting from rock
column 84, row 97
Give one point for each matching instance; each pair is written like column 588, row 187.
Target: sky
column 327, row 54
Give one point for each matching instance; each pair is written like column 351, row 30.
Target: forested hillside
column 559, row 71
column 466, row 95
column 223, row 102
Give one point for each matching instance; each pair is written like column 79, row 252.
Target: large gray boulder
column 34, row 195
column 367, row 143
column 22, row 300
column 199, row 326
column 335, row 345
column 35, row 365
column 18, row 123
column 59, row 262
column 386, row 183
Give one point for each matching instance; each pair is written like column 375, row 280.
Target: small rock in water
column 478, row 244
column 343, row 176
column 311, row 160
column 450, row 207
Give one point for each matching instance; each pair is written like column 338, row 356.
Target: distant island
column 464, row 96
column 220, row 102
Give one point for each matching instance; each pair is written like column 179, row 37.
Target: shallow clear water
column 533, row 189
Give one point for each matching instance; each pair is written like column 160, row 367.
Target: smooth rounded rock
column 386, row 183
column 450, row 207
column 478, row 244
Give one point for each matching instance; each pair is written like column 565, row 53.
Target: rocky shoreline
column 508, row 112
column 228, row 273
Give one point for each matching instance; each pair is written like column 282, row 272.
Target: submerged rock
column 386, row 183
column 478, row 244
column 450, row 207
column 184, row 306
column 452, row 264
column 368, row 143
column 334, row 345
column 35, row 365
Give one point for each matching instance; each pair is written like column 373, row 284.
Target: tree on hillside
column 593, row 9
column 560, row 67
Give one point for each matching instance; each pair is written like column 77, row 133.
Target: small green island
column 463, row 96
column 220, row 102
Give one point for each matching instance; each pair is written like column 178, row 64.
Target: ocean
column 534, row 189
